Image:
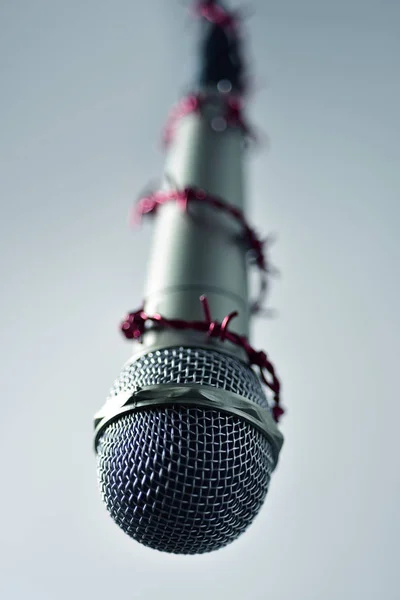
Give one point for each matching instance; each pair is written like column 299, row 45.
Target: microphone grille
column 185, row 479
column 191, row 365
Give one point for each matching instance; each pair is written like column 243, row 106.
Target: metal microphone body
column 186, row 442
column 201, row 251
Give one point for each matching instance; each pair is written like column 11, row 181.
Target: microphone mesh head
column 185, row 479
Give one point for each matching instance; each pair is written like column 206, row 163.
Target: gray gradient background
column 85, row 88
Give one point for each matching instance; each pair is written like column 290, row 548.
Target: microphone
column 187, row 440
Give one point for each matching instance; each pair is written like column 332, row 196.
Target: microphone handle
column 201, row 251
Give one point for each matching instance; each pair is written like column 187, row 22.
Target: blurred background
column 85, row 90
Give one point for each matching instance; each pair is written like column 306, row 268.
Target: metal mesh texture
column 191, row 365
column 185, row 479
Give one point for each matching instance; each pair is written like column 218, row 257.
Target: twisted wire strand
column 149, row 204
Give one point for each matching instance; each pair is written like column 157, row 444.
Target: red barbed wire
column 194, row 103
column 214, row 13
column 134, row 327
column 151, row 202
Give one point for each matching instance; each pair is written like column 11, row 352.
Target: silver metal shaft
column 201, row 252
